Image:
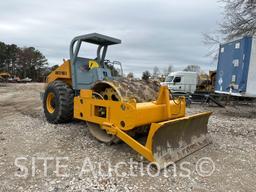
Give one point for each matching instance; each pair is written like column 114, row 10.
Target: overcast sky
column 153, row 33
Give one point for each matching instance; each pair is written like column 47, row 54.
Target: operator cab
column 86, row 71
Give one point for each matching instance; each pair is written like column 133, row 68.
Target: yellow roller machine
column 118, row 109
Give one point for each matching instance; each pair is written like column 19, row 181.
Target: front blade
column 178, row 138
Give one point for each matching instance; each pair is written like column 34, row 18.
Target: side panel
column 187, row 84
column 190, row 83
column 127, row 115
column 62, row 72
column 251, row 82
column 233, row 63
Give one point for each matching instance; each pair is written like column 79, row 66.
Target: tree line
column 239, row 19
column 23, row 62
column 158, row 75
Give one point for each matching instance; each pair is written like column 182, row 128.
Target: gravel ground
column 27, row 139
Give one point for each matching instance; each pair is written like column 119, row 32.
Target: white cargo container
column 182, row 81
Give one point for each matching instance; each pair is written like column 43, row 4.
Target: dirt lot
column 90, row 165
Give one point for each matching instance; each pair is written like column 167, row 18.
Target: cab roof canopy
column 97, row 39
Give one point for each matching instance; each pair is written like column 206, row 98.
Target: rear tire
column 58, row 102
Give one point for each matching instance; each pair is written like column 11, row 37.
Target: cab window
column 169, row 78
column 177, row 79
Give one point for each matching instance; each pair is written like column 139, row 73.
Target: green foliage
column 146, row 75
column 23, row 62
column 3, row 54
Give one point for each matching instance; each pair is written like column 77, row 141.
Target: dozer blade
column 175, row 139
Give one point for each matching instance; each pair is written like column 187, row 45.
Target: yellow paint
column 4, row 74
column 145, row 151
column 93, row 64
column 63, row 72
column 123, row 116
column 49, row 99
column 129, row 113
column 155, row 126
column 86, row 93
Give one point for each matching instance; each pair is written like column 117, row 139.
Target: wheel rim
column 50, row 103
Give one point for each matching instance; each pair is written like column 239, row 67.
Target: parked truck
column 182, row 81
